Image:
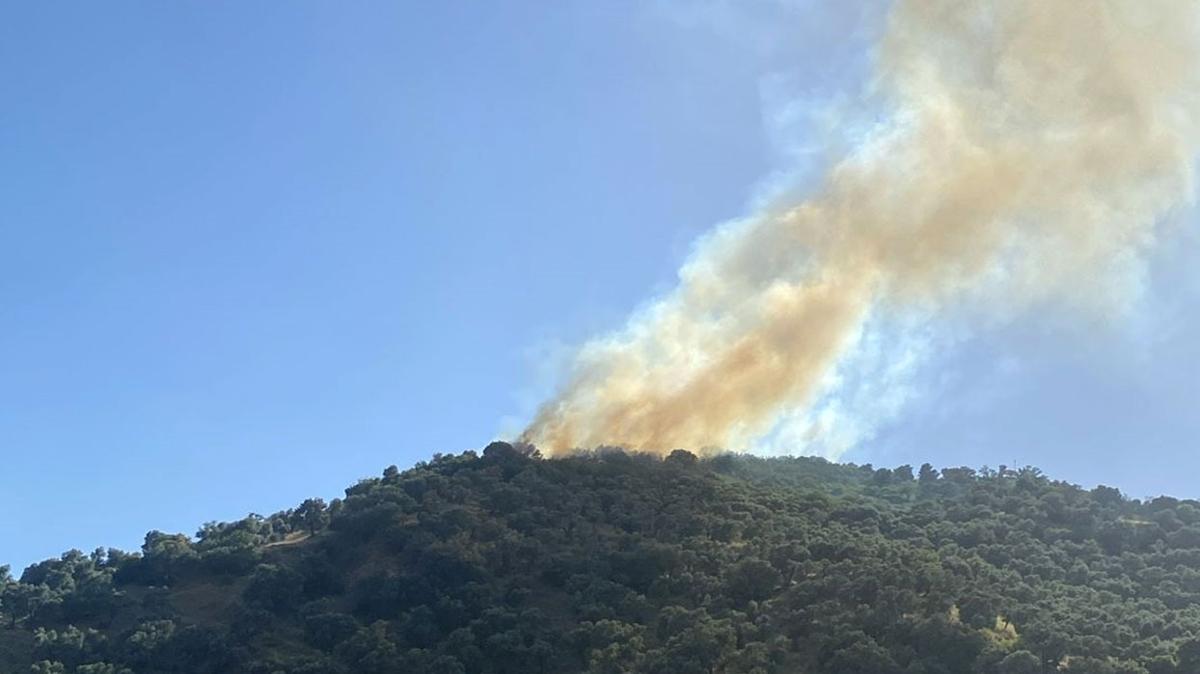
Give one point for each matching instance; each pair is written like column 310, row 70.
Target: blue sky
column 251, row 252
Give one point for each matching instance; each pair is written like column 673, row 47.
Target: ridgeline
column 505, row 563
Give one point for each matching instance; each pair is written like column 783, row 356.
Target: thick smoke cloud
column 1030, row 150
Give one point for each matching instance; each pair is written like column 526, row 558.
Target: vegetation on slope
column 611, row 562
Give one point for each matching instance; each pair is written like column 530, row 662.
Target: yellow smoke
column 1031, row 148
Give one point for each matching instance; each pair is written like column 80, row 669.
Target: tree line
column 611, row 562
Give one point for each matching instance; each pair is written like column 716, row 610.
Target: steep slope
column 626, row 563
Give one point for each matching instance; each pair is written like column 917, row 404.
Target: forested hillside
column 505, row 562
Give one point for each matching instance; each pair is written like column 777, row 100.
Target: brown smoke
column 1031, row 149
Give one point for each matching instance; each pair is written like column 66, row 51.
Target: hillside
column 505, row 562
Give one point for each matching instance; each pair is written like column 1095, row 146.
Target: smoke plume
column 1029, row 152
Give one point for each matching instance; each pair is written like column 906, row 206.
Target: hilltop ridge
column 504, row 562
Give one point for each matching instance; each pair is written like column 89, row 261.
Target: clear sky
column 251, row 252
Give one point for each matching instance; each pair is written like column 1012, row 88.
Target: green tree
column 313, row 515
column 927, row 474
column 752, row 580
column 1020, row 662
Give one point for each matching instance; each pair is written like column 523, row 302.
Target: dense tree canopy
column 610, row 562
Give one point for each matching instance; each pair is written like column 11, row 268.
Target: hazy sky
column 251, row 252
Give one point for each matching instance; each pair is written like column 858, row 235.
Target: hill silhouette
column 610, row 562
